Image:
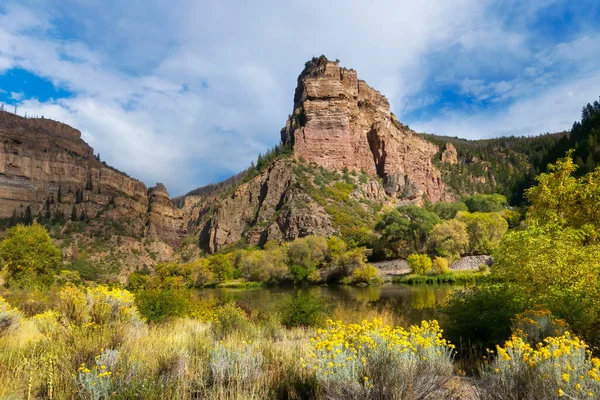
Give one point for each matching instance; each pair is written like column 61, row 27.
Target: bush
column 367, row 273
column 419, row 263
column 482, row 315
column 231, row 319
column 10, row 317
column 483, row 268
column 440, row 265
column 375, row 361
column 29, row 256
column 157, row 305
column 301, row 309
column 560, row 366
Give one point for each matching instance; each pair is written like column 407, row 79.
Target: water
column 410, row 303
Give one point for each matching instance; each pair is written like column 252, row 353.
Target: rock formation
column 340, row 122
column 47, row 170
column 450, row 155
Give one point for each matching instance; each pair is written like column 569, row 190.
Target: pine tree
column 74, row 213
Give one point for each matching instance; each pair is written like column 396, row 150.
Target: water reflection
column 411, row 303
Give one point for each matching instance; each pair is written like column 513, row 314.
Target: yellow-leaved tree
column 556, row 260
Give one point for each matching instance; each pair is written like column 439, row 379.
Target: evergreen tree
column 74, row 213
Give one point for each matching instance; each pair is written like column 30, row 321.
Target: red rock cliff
column 340, row 122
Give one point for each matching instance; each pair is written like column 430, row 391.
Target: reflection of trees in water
column 409, row 303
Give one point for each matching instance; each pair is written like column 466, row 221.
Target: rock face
column 269, row 206
column 340, row 122
column 46, row 169
column 165, row 221
column 450, row 155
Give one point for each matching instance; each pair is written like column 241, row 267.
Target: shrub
column 301, row 309
column 229, row 319
column 10, row 317
column 111, row 305
column 29, row 256
column 483, row 268
column 373, row 360
column 419, row 263
column 231, row 364
column 367, row 273
column 203, row 274
column 440, row 265
column 559, row 366
column 157, row 305
column 482, row 315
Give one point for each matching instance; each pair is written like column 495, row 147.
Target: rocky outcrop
column 165, row 221
column 340, row 122
column 267, row 207
column 450, row 155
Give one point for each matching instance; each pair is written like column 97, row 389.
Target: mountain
column 49, row 173
column 343, row 156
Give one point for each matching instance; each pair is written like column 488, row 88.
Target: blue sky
column 189, row 92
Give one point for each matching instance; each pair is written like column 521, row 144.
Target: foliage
column 301, row 309
column 448, row 210
column 440, row 265
column 449, row 238
column 230, row 319
column 157, row 305
column 558, row 366
column 10, row 317
column 485, row 231
column 372, row 360
column 555, row 259
column 219, row 264
column 367, row 274
column 485, row 202
column 29, row 257
column 407, row 225
column 563, row 199
column 482, row 314
column 419, row 263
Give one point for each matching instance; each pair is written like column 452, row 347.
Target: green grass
column 451, row 277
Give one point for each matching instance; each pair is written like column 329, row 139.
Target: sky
column 189, row 92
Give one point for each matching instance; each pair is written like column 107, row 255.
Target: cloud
column 188, row 92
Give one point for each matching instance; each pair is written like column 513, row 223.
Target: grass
column 459, row 277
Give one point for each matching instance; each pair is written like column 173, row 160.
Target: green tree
column 485, row 230
column 408, row 224
column 221, row 266
column 449, row 238
column 29, row 256
column 485, row 202
column 448, row 210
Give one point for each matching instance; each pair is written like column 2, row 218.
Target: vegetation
column 29, row 256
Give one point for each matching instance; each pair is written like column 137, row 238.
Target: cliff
column 340, row 122
column 49, row 172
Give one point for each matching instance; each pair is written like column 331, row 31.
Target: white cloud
column 551, row 110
